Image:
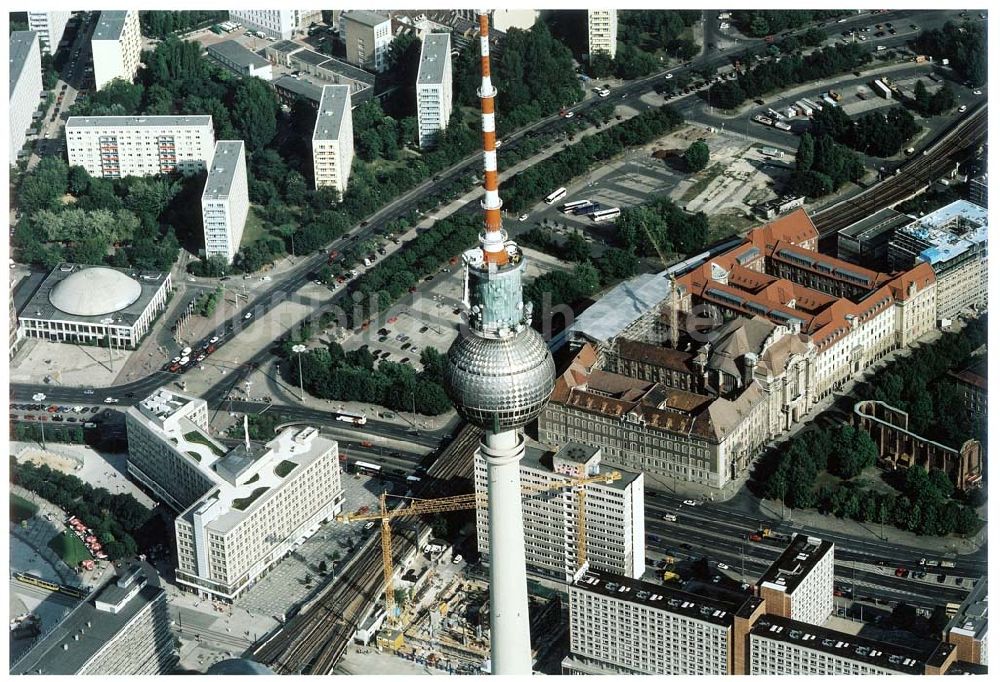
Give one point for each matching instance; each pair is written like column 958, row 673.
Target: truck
column 814, row 104
column 804, row 108
column 724, row 16
column 669, row 576
column 947, row 564
column 920, row 59
column 763, row 119
column 881, row 89
column 834, row 95
column 829, row 100
column 781, row 125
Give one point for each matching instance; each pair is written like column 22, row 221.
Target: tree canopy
column 696, row 156
column 963, row 44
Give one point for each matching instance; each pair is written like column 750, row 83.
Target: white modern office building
column 50, row 27
column 225, row 201
column 614, row 514
column 277, row 24
column 117, row 46
column 25, row 87
column 799, row 584
column 95, row 305
column 333, row 139
column 240, row 509
column 122, row 629
column 118, row 146
column 781, row 646
column 433, row 88
column 620, row 626
column 602, row 32
column 367, row 35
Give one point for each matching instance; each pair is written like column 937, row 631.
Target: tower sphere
column 500, row 384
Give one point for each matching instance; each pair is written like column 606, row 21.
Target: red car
column 755, row 537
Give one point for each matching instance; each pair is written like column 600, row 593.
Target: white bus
column 367, row 469
column 571, row 206
column 351, row 418
column 556, row 196
column 605, row 215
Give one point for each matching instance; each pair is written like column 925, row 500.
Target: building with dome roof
column 95, row 304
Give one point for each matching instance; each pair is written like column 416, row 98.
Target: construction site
column 434, row 610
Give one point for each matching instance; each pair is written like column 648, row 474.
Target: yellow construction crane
column 674, row 323
column 419, row 507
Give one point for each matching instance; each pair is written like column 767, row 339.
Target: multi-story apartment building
column 622, row 626
column 117, row 146
column 799, row 584
column 972, row 386
column 238, row 59
column 116, row 46
column 50, row 27
column 602, row 32
column 225, row 201
column 968, row 629
column 367, row 35
column 979, row 190
column 613, row 514
column 782, row 646
column 768, row 328
column 25, row 87
column 333, row 139
column 124, row 629
column 252, row 503
column 433, row 88
column 277, row 24
column 953, row 241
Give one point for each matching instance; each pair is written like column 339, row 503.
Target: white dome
column 95, row 291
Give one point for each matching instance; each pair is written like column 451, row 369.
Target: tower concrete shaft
column 499, row 375
column 510, row 634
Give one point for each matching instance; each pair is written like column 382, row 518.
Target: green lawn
column 21, row 509
column 284, row 468
column 245, row 502
column 70, row 548
column 195, row 437
column 253, row 230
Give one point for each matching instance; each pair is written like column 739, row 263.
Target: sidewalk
column 37, row 534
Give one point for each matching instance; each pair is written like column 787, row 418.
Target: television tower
column 500, row 374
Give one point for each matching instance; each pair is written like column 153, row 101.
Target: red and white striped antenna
column 493, row 237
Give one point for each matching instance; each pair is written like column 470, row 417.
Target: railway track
column 912, row 177
column 314, row 640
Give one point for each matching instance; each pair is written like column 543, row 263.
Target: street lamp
column 298, row 349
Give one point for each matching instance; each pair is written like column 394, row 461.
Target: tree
column 78, row 180
column 696, row 156
column 322, row 567
column 618, row 264
column 807, row 151
column 576, row 248
column 921, row 98
column 255, row 112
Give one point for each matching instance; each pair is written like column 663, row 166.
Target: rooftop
column 333, row 107
column 834, row 643
column 541, row 459
column 971, row 619
column 949, row 231
column 20, row 46
column 661, row 597
column 83, row 293
column 224, row 162
column 69, row 645
column 974, row 375
column 110, row 25
column 311, row 57
column 134, row 121
column 234, row 52
column 287, row 46
column 365, row 17
column 435, row 55
column 621, row 306
column 660, row 356
column 300, row 87
column 795, row 563
column 886, row 220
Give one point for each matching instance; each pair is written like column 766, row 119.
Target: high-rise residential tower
column 333, row 139
column 50, row 27
column 499, row 375
column 602, row 31
column 116, row 46
column 25, row 87
column 225, row 201
column 433, row 88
